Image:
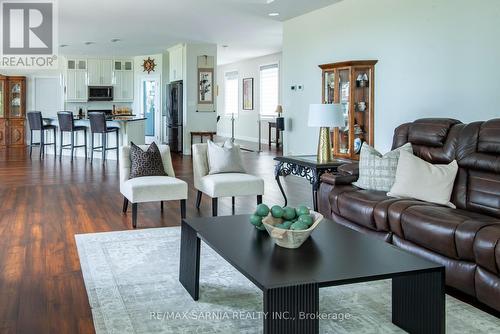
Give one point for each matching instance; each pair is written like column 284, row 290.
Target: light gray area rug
column 132, row 284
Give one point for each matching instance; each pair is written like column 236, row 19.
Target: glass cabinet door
column 15, row 99
column 329, row 87
column 344, row 89
column 362, row 106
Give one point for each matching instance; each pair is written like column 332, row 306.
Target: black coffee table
column 334, row 255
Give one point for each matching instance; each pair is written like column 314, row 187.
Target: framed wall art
column 205, row 86
column 248, row 94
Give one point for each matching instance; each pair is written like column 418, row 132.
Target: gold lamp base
column 324, row 145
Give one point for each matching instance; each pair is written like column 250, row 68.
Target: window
column 269, row 90
column 231, row 93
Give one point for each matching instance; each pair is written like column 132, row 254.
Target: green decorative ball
column 298, row 226
column 256, row 220
column 302, row 210
column 281, row 226
column 262, row 210
column 261, row 227
column 306, row 219
column 277, row 211
column 287, row 224
column 288, row 213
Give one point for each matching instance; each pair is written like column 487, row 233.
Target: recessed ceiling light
column 63, row 45
column 274, row 14
column 89, row 43
column 269, row 1
column 114, row 40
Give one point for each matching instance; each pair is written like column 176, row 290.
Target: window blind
column 269, row 90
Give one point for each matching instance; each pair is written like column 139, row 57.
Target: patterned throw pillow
column 377, row 171
column 146, row 163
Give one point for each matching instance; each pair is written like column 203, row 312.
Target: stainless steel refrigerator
column 174, row 116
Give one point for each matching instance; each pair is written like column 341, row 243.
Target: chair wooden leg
column 42, row 144
column 134, row 215
column 72, row 144
column 161, row 206
column 198, row 199
column 91, row 147
column 55, row 143
column 85, row 141
column 214, row 206
column 259, row 199
column 183, row 208
column 31, row 142
column 232, row 205
column 125, row 204
column 60, row 145
column 104, row 144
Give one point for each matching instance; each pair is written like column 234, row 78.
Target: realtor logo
column 28, row 34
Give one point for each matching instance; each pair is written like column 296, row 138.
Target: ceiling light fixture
column 89, row 43
column 274, row 14
column 225, row 46
column 114, row 40
column 269, row 1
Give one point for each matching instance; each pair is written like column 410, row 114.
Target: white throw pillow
column 224, row 159
column 377, row 171
column 416, row 178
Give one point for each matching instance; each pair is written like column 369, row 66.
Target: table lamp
column 325, row 116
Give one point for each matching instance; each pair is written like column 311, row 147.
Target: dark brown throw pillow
column 145, row 163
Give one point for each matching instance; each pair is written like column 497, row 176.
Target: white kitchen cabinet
column 100, row 72
column 123, row 87
column 76, row 80
column 176, row 63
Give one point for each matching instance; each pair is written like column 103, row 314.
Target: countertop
column 120, row 119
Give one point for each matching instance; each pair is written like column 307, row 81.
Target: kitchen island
column 131, row 129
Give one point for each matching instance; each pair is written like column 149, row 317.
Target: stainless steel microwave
column 100, row 93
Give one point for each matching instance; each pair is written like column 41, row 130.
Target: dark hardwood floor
column 44, row 203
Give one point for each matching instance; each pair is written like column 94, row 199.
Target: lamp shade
column 326, row 115
column 279, row 109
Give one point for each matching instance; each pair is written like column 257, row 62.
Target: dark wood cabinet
column 3, row 133
column 17, row 132
column 12, row 111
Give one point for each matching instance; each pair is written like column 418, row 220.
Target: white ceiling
column 151, row 26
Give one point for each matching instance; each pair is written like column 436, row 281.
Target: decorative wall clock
column 149, row 65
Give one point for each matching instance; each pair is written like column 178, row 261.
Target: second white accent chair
column 224, row 184
column 151, row 188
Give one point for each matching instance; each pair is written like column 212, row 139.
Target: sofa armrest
column 350, row 169
column 346, row 174
column 338, row 179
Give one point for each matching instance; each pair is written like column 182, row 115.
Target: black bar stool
column 98, row 125
column 67, row 124
column 35, row 121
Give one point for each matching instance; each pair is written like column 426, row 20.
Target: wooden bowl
column 289, row 238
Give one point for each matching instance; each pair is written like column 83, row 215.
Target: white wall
column 436, row 59
column 196, row 121
column 245, row 125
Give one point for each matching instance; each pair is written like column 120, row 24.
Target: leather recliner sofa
column 466, row 240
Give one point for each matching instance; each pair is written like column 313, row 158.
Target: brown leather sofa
column 467, row 239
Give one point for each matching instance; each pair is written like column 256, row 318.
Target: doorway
column 150, row 105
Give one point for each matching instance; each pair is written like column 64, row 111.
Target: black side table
column 308, row 167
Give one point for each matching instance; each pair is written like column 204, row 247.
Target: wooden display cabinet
column 12, row 111
column 351, row 83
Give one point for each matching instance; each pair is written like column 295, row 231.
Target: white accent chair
column 150, row 188
column 224, row 184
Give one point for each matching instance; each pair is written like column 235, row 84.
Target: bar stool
column 67, row 124
column 98, row 125
column 35, row 121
